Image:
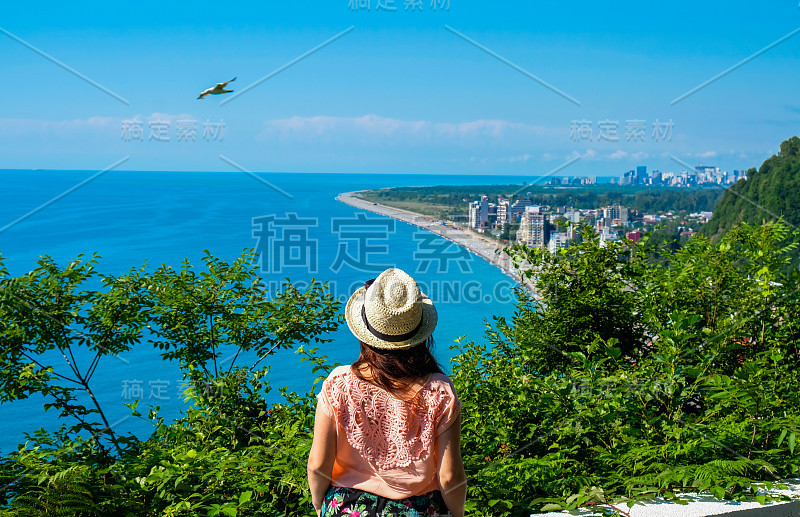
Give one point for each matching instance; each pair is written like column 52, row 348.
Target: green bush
column 637, row 372
column 230, row 454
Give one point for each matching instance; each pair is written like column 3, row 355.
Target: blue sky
column 404, row 91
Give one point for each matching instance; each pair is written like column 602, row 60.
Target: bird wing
column 219, row 88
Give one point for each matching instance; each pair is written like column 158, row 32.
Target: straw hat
column 392, row 313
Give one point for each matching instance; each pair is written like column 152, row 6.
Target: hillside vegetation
column 769, row 193
column 630, row 379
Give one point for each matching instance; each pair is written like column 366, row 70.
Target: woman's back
column 385, row 444
column 387, row 428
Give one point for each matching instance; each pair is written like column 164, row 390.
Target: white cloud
column 373, row 127
column 618, row 155
column 590, row 154
column 707, row 154
column 165, row 117
column 640, row 155
column 517, row 159
column 70, row 129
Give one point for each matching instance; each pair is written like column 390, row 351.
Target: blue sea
column 292, row 220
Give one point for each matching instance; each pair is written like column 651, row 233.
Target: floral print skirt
column 352, row 502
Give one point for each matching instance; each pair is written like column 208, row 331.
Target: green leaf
column 792, row 438
column 551, row 507
column 782, row 436
column 245, row 496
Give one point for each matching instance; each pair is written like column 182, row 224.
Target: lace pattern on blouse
column 386, row 431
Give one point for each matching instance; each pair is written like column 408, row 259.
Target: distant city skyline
column 444, row 87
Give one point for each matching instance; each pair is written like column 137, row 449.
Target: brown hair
column 394, row 370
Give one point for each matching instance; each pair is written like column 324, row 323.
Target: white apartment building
column 616, row 212
column 573, row 216
column 533, row 228
column 479, row 213
column 519, row 206
column 503, row 212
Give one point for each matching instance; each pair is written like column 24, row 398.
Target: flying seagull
column 219, row 88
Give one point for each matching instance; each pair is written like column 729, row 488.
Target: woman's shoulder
column 339, row 374
column 440, row 378
column 442, row 383
column 442, row 400
column 344, row 369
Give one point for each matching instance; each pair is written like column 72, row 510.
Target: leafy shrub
column 637, row 372
column 230, row 454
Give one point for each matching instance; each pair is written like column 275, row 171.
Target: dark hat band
column 388, row 337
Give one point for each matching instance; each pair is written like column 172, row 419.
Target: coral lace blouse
column 385, row 445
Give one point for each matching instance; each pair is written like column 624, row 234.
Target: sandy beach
column 484, row 247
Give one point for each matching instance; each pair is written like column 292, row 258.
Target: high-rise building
column 533, row 228
column 641, row 174
column 656, row 177
column 628, row 178
column 503, row 212
column 573, row 216
column 518, row 207
column 616, row 212
column 479, row 213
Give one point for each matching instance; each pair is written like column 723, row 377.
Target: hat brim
column 352, row 314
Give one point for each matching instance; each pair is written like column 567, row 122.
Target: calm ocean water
column 165, row 217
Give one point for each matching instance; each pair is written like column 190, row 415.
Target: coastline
column 487, row 249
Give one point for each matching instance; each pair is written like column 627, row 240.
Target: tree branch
column 40, row 365
column 213, row 345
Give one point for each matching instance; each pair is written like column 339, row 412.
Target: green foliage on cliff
column 230, row 454
column 630, row 378
column 639, row 372
column 771, row 192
